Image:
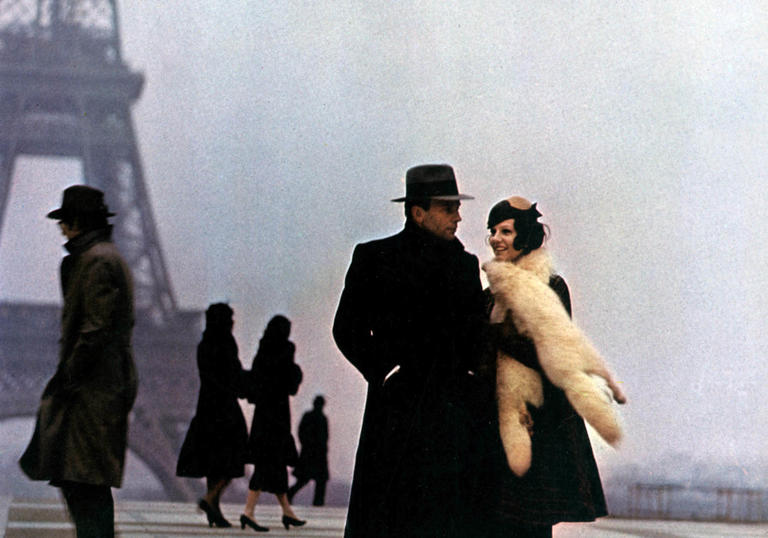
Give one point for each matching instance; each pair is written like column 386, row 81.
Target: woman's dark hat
column 504, row 210
column 434, row 181
column 79, row 200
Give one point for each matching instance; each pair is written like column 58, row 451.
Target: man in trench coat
column 410, row 319
column 81, row 432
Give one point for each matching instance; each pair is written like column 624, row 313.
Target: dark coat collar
column 86, row 240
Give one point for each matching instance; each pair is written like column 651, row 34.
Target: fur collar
column 522, row 296
column 532, row 270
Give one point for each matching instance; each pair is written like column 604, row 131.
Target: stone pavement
column 44, row 519
column 648, row 528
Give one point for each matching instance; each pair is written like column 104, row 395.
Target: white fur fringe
column 521, row 291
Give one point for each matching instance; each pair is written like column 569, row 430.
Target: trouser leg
column 91, row 508
column 319, row 499
column 294, row 489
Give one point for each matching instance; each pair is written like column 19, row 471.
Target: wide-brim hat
column 80, row 200
column 435, row 181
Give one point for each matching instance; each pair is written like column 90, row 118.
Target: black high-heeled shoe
column 221, row 521
column 288, row 521
column 208, row 509
column 214, row 516
column 245, row 520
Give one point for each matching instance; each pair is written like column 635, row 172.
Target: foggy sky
column 274, row 134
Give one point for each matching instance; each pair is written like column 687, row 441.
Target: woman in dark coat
column 215, row 444
column 271, row 447
column 544, row 470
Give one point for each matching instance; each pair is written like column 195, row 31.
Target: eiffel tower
column 66, row 92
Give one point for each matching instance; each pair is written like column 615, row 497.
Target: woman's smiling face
column 501, row 239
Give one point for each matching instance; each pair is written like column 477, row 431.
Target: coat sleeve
column 294, row 377
column 304, row 429
column 352, row 326
column 478, row 329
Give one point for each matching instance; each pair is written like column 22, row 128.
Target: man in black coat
column 313, row 460
column 410, row 319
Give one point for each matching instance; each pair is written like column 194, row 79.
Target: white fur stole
column 522, row 296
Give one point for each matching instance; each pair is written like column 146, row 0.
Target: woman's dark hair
column 218, row 316
column 278, row 328
column 529, row 231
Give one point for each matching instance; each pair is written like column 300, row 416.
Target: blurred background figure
column 80, row 437
column 274, row 376
column 214, row 447
column 313, row 461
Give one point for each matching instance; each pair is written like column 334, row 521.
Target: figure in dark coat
column 544, row 470
column 214, row 447
column 81, row 432
column 313, row 459
column 409, row 319
column 274, row 377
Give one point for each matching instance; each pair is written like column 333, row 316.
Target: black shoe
column 221, row 521
column 209, row 511
column 288, row 521
column 245, row 520
column 214, row 515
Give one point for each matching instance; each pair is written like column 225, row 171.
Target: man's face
column 69, row 230
column 441, row 219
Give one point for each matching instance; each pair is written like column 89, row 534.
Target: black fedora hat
column 80, row 200
column 435, row 181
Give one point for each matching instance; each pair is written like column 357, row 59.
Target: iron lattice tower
column 65, row 91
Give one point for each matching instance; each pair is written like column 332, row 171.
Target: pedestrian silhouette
column 313, row 460
column 274, row 378
column 214, row 446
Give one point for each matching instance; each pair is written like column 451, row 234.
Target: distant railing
column 700, row 503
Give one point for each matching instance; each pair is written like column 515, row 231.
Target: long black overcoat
column 82, row 424
column 563, row 483
column 414, row 301
column 274, row 377
column 313, row 436
column 214, row 446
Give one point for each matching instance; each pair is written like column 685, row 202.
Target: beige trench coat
column 82, row 423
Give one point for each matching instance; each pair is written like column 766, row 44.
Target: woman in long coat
column 214, row 447
column 545, row 471
column 274, row 376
